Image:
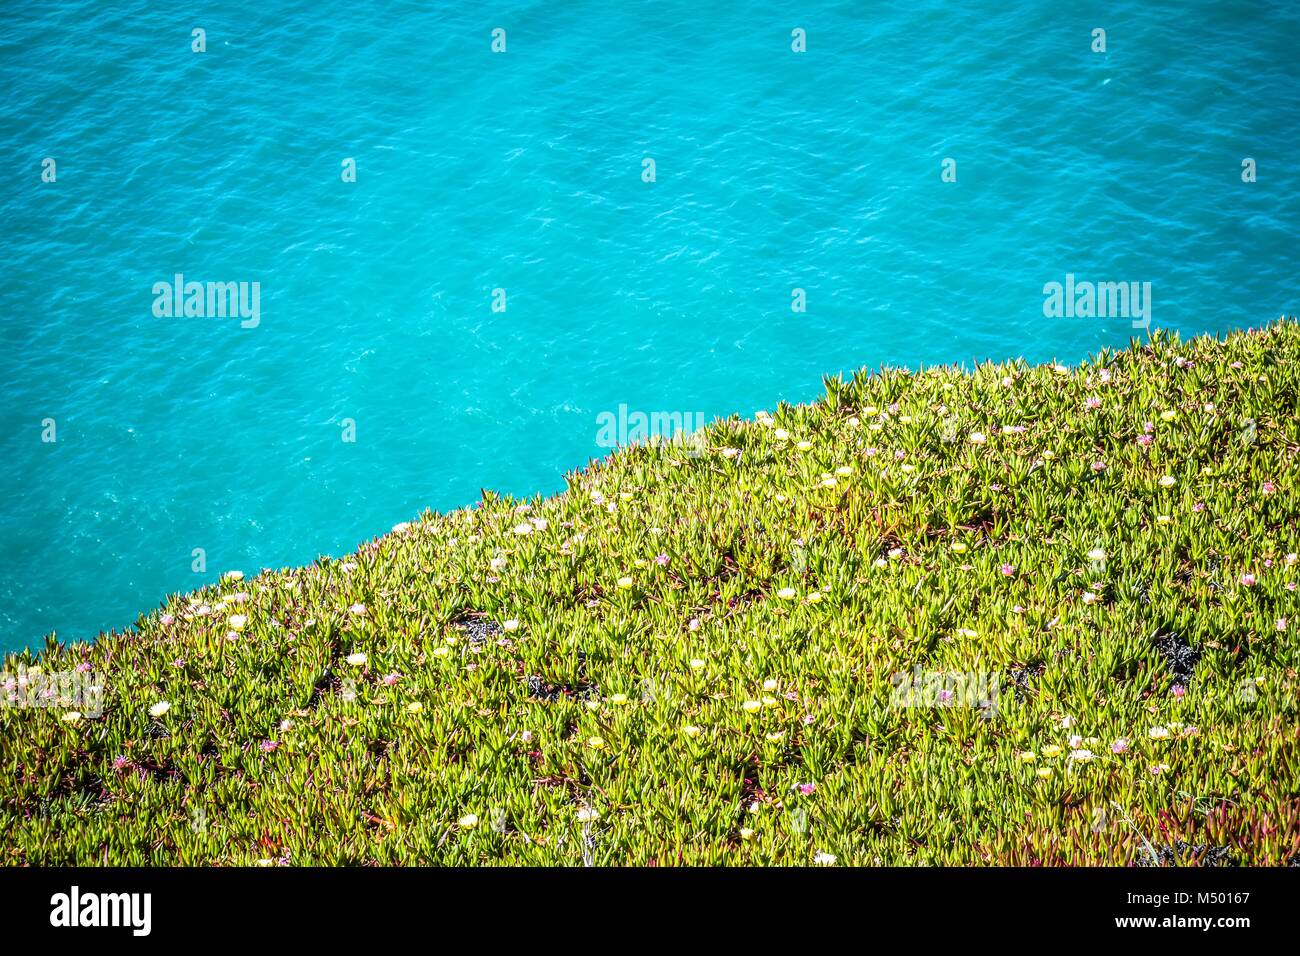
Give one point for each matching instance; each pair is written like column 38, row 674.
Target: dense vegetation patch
column 1011, row 615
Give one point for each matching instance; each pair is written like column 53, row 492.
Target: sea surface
column 522, row 171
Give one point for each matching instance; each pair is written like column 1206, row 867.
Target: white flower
column 786, row 593
column 525, row 528
column 825, row 859
column 400, row 527
column 160, row 708
column 357, row 659
column 237, row 622
column 71, row 717
column 752, row 705
column 1159, row 733
column 769, row 684
column 510, row 625
column 497, row 564
column 587, row 814
column 696, row 663
column 357, row 610
column 977, row 438
column 1097, row 554
column 468, row 822
column 1168, row 481
column 233, row 576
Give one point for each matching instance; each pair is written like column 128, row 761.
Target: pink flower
column 1098, row 466
column 83, row 667
column 1198, row 507
column 1269, row 487
column 1178, row 690
column 1146, row 441
column 1281, row 623
column 268, row 746
column 1093, row 402
column 1120, row 746
column 1248, row 580
column 120, row 763
column 166, row 619
column 1148, row 427
column 391, row 679
column 807, row 789
column 661, row 560
column 1008, row 570
column 808, row 719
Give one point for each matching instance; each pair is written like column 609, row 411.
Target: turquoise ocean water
column 523, row 171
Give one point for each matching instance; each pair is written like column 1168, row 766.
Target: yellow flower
column 618, row 699
column 804, row 445
column 1051, row 750
column 1027, row 756
column 624, row 583
column 596, row 743
column 690, row 730
column 1044, row 772
column 958, row 547
column 696, row 663
column 746, row 833
column 1168, row 416
column 752, row 705
column 440, row 652
column 415, row 707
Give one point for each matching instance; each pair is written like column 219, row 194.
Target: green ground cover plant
column 1010, row 615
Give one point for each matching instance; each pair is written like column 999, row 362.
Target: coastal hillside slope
column 1010, row 615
